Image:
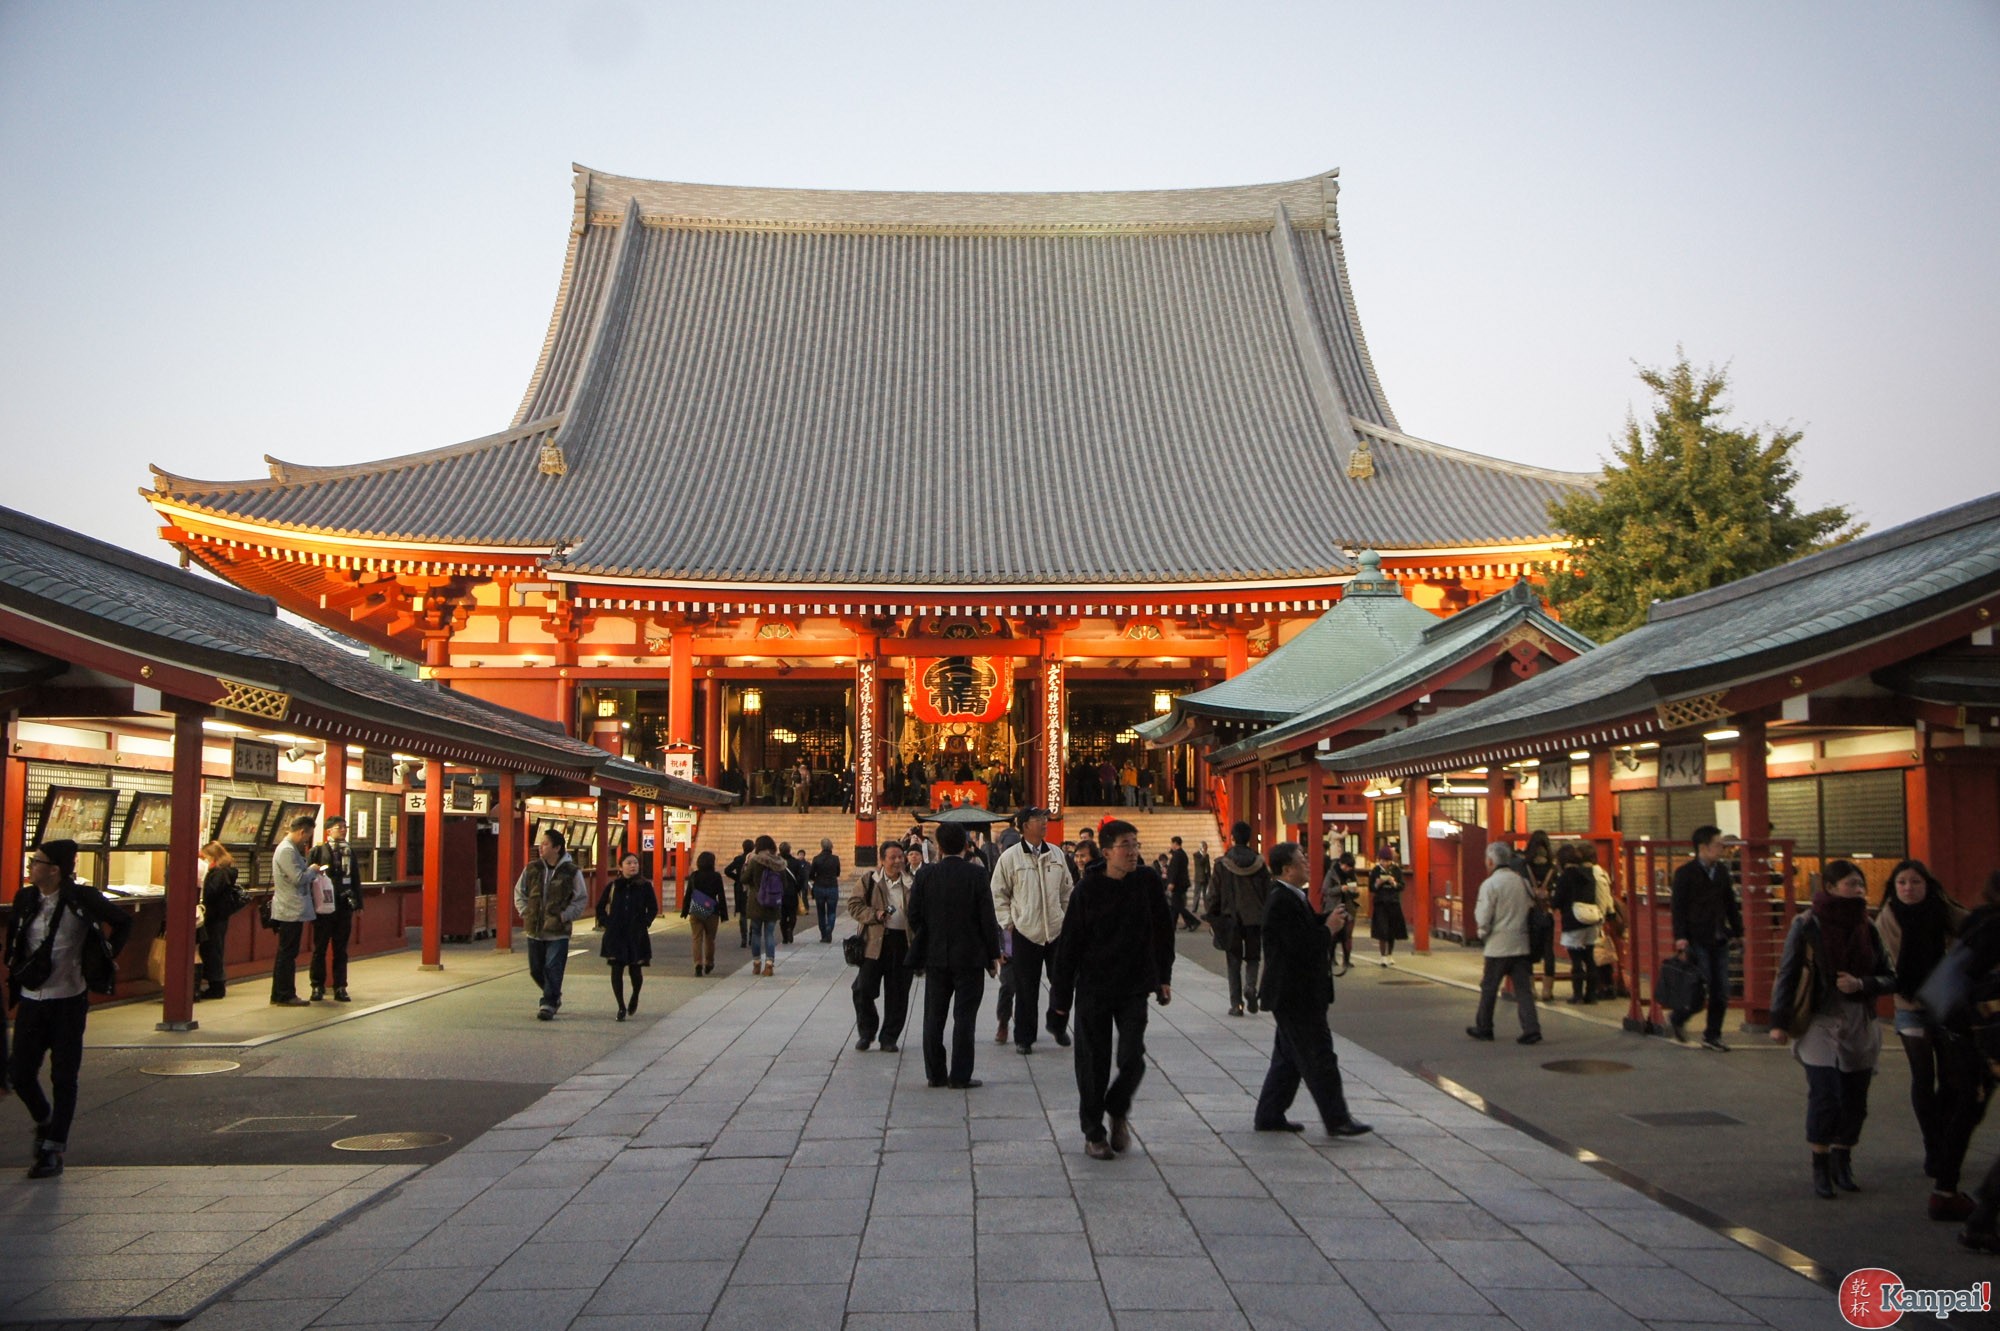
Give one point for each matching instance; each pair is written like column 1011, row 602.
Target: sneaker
column 1121, row 1135
column 47, row 1165
column 1713, row 1045
column 545, row 1013
column 1103, row 1151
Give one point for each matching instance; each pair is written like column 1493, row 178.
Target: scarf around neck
column 1843, row 925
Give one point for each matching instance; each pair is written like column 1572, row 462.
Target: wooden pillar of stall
column 433, row 885
column 1417, row 895
column 1315, row 831
column 333, row 785
column 183, row 876
column 1498, row 792
column 600, row 875
column 1760, row 945
column 711, row 734
column 13, row 819
column 1603, row 806
column 508, row 866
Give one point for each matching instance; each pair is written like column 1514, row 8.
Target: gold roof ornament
column 1361, row 462
column 552, row 463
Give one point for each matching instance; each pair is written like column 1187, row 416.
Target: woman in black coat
column 703, row 907
column 625, row 913
column 219, row 900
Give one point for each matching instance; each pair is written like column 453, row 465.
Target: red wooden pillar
column 600, row 876
column 183, row 875
column 867, row 745
column 1603, row 808
column 1236, row 654
column 333, row 786
column 1315, row 830
column 1498, row 789
column 433, row 887
column 13, row 821
column 1419, row 890
column 711, row 733
column 1753, row 805
column 508, row 860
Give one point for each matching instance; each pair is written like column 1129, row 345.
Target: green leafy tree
column 1686, row 504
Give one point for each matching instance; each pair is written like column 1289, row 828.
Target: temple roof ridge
column 683, row 203
column 285, row 473
column 1588, row 479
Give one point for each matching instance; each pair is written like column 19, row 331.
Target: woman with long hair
column 1833, row 949
column 1576, row 888
column 1541, row 871
column 625, row 912
column 1917, row 923
column 705, row 906
column 219, row 900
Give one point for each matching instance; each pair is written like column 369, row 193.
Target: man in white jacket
column 1031, row 887
column 1502, row 917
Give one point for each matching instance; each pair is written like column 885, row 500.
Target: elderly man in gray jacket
column 292, row 877
column 1502, row 917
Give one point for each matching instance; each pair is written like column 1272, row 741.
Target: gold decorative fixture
column 1361, row 462
column 553, row 463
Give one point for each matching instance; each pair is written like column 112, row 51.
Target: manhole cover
column 192, row 1067
column 391, row 1141
column 1686, row 1118
column 1587, row 1067
column 289, row 1123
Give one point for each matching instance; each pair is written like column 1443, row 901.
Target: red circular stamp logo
column 1861, row 1298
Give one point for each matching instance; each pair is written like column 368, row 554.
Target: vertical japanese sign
column 864, row 738
column 1052, row 736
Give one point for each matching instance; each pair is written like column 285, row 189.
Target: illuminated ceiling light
column 1127, row 736
column 1648, row 745
column 1717, row 736
column 224, row 728
column 1579, row 755
column 785, row 735
column 753, row 700
column 1163, row 701
column 1479, row 771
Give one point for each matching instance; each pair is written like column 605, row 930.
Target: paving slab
column 740, row 1164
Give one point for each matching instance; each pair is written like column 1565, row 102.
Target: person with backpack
column 549, row 895
column 57, row 952
column 705, row 906
column 1242, row 881
column 765, row 874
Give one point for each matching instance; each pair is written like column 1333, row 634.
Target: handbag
column 700, row 904
column 1681, row 986
column 853, row 949
column 1805, row 997
column 1587, row 913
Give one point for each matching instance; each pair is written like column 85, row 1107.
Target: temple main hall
column 931, row 496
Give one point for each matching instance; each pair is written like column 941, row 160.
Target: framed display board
column 149, row 824
column 240, row 821
column 583, row 836
column 544, row 824
column 77, row 813
column 287, row 811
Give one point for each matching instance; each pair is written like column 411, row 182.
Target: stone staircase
column 1156, row 829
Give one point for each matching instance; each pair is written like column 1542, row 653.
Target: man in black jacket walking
column 1706, row 916
column 1116, row 950
column 1297, row 989
column 957, row 942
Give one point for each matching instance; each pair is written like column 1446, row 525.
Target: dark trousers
column 742, row 916
column 1520, row 969
column 888, row 976
column 1182, row 915
column 1948, row 1091
column 1713, row 959
column 1582, row 973
column 1302, row 1051
column 1245, row 955
column 825, row 901
column 208, row 948
column 51, row 1029
column 285, row 966
column 1836, row 1105
column 1097, row 1092
column 955, row 990
column 788, row 915
column 1030, row 959
column 548, row 958
column 329, row 938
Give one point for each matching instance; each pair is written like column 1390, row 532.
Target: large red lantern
column 965, row 689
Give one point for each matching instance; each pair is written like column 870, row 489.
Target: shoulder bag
column 1805, row 998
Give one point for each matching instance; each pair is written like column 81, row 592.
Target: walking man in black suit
column 957, row 942
column 1296, row 991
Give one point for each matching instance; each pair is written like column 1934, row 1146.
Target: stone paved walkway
column 740, row 1165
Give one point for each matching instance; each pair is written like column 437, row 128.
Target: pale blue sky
column 333, row 232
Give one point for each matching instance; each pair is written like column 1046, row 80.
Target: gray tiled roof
column 783, row 386
column 1443, row 643
column 1748, row 630
column 89, row 587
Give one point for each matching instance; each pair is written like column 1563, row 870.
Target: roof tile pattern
column 754, row 390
